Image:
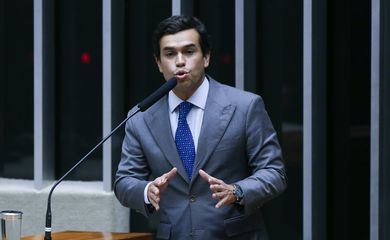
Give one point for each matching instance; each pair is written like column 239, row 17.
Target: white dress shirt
column 194, row 117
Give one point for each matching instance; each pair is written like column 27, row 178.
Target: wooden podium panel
column 74, row 235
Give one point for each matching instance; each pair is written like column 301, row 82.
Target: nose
column 180, row 61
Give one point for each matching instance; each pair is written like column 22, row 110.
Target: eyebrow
column 168, row 48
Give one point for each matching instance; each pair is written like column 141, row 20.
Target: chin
column 183, row 81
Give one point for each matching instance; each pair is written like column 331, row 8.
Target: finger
column 155, row 205
column 154, row 190
column 219, row 195
column 218, row 187
column 160, row 181
column 214, row 180
column 210, row 179
column 204, row 175
column 154, row 198
column 154, row 194
column 222, row 202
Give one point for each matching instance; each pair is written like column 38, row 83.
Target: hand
column 221, row 191
column 158, row 186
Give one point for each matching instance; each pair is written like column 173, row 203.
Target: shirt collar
column 198, row 98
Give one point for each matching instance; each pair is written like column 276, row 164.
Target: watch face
column 238, row 191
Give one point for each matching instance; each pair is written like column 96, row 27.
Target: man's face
column 181, row 57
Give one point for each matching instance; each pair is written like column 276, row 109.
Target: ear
column 206, row 60
column 158, row 62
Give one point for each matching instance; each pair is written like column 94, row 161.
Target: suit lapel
column 216, row 118
column 157, row 120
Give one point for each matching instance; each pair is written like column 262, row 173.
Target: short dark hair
column 175, row 24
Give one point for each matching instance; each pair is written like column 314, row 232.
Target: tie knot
column 184, row 109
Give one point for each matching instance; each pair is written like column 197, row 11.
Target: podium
column 75, row 235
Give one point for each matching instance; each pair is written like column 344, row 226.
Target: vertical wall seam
column 307, row 120
column 107, row 146
column 239, row 44
column 176, row 7
column 375, row 120
column 38, row 94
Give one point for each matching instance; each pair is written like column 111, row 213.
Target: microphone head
column 159, row 93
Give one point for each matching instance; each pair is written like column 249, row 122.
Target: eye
column 169, row 54
column 190, row 51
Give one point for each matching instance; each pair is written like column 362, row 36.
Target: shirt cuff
column 146, row 199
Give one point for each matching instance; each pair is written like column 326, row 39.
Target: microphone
column 149, row 101
column 142, row 106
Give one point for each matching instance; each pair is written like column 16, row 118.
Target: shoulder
column 234, row 95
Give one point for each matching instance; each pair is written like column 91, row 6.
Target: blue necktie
column 183, row 139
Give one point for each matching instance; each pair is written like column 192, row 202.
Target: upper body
column 236, row 148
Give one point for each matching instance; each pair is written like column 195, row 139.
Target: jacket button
column 192, row 199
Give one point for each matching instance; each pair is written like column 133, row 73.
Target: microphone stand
column 142, row 106
column 48, row 210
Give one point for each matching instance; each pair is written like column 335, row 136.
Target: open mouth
column 181, row 74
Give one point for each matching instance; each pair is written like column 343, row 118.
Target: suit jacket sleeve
column 133, row 172
column 267, row 179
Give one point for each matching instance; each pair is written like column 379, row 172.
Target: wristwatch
column 238, row 193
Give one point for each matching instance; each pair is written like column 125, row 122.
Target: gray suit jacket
column 237, row 144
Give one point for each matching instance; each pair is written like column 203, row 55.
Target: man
column 210, row 148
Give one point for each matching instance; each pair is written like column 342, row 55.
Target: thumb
column 171, row 173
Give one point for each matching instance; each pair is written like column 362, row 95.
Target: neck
column 186, row 93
